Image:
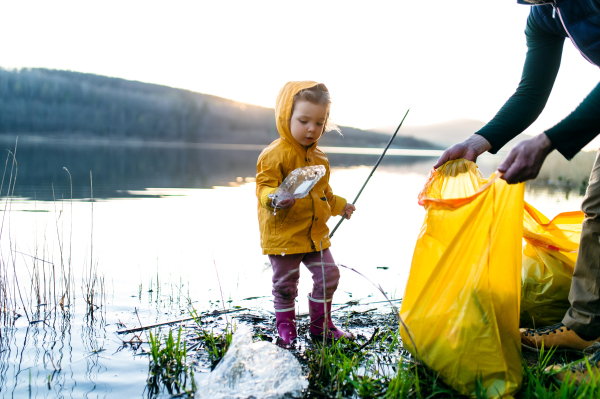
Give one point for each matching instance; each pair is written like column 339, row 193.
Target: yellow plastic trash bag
column 549, row 257
column 461, row 303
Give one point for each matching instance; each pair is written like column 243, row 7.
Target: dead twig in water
column 142, row 327
column 363, row 346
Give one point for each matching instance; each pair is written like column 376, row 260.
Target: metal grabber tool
column 373, row 171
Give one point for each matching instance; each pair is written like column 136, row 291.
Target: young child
column 295, row 232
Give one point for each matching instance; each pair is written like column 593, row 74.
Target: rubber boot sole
column 281, row 343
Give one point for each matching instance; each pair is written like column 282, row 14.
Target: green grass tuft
column 168, row 368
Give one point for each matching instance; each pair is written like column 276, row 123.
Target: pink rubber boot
column 316, row 309
column 286, row 325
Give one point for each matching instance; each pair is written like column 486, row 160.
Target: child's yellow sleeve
column 269, row 175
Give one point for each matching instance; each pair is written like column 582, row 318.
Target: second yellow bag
column 462, row 298
column 549, row 257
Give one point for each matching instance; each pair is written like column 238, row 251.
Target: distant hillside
column 447, row 133
column 55, row 103
column 443, row 134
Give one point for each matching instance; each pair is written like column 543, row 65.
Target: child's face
column 308, row 122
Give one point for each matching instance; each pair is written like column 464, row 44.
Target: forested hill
column 70, row 104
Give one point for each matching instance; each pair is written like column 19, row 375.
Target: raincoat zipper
column 555, row 9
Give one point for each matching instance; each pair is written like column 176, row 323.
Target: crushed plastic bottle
column 297, row 184
column 249, row 369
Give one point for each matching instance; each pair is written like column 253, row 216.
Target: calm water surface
column 174, row 221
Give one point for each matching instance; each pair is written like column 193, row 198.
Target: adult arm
column 569, row 136
column 579, row 128
column 544, row 51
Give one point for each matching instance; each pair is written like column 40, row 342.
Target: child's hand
column 348, row 210
column 286, row 203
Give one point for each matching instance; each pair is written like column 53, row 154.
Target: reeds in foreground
column 32, row 283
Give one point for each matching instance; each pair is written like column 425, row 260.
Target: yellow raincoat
column 300, row 228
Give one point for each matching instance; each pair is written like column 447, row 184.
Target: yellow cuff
column 340, row 204
column 265, row 201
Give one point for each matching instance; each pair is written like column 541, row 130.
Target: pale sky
column 448, row 59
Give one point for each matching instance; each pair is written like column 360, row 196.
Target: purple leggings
column 286, row 273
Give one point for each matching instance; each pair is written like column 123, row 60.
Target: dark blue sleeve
column 579, row 128
column 544, row 51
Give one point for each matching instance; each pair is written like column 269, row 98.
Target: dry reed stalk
column 220, row 288
column 91, row 224
column 49, row 284
column 70, row 239
column 92, row 285
column 64, row 276
column 326, row 321
column 4, row 286
column 40, row 274
column 10, row 194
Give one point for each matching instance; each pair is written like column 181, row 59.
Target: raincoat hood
column 283, row 110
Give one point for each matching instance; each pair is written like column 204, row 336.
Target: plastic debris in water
column 249, row 369
column 297, row 184
column 283, row 254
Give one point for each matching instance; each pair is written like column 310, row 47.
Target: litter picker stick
column 373, row 171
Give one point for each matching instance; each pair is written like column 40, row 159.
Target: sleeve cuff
column 495, row 146
column 561, row 146
column 340, row 204
column 265, row 201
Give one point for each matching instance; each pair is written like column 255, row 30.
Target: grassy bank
column 374, row 366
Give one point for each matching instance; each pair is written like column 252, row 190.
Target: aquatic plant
column 9, row 286
column 49, row 289
column 92, row 285
column 217, row 345
column 168, row 366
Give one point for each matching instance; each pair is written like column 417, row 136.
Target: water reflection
column 117, row 170
column 69, row 356
column 127, row 168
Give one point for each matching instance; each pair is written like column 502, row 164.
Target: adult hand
column 525, row 160
column 469, row 149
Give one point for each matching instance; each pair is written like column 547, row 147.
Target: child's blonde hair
column 317, row 95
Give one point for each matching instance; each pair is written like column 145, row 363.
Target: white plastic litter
column 257, row 370
column 298, row 183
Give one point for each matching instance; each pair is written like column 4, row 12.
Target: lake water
column 176, row 221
